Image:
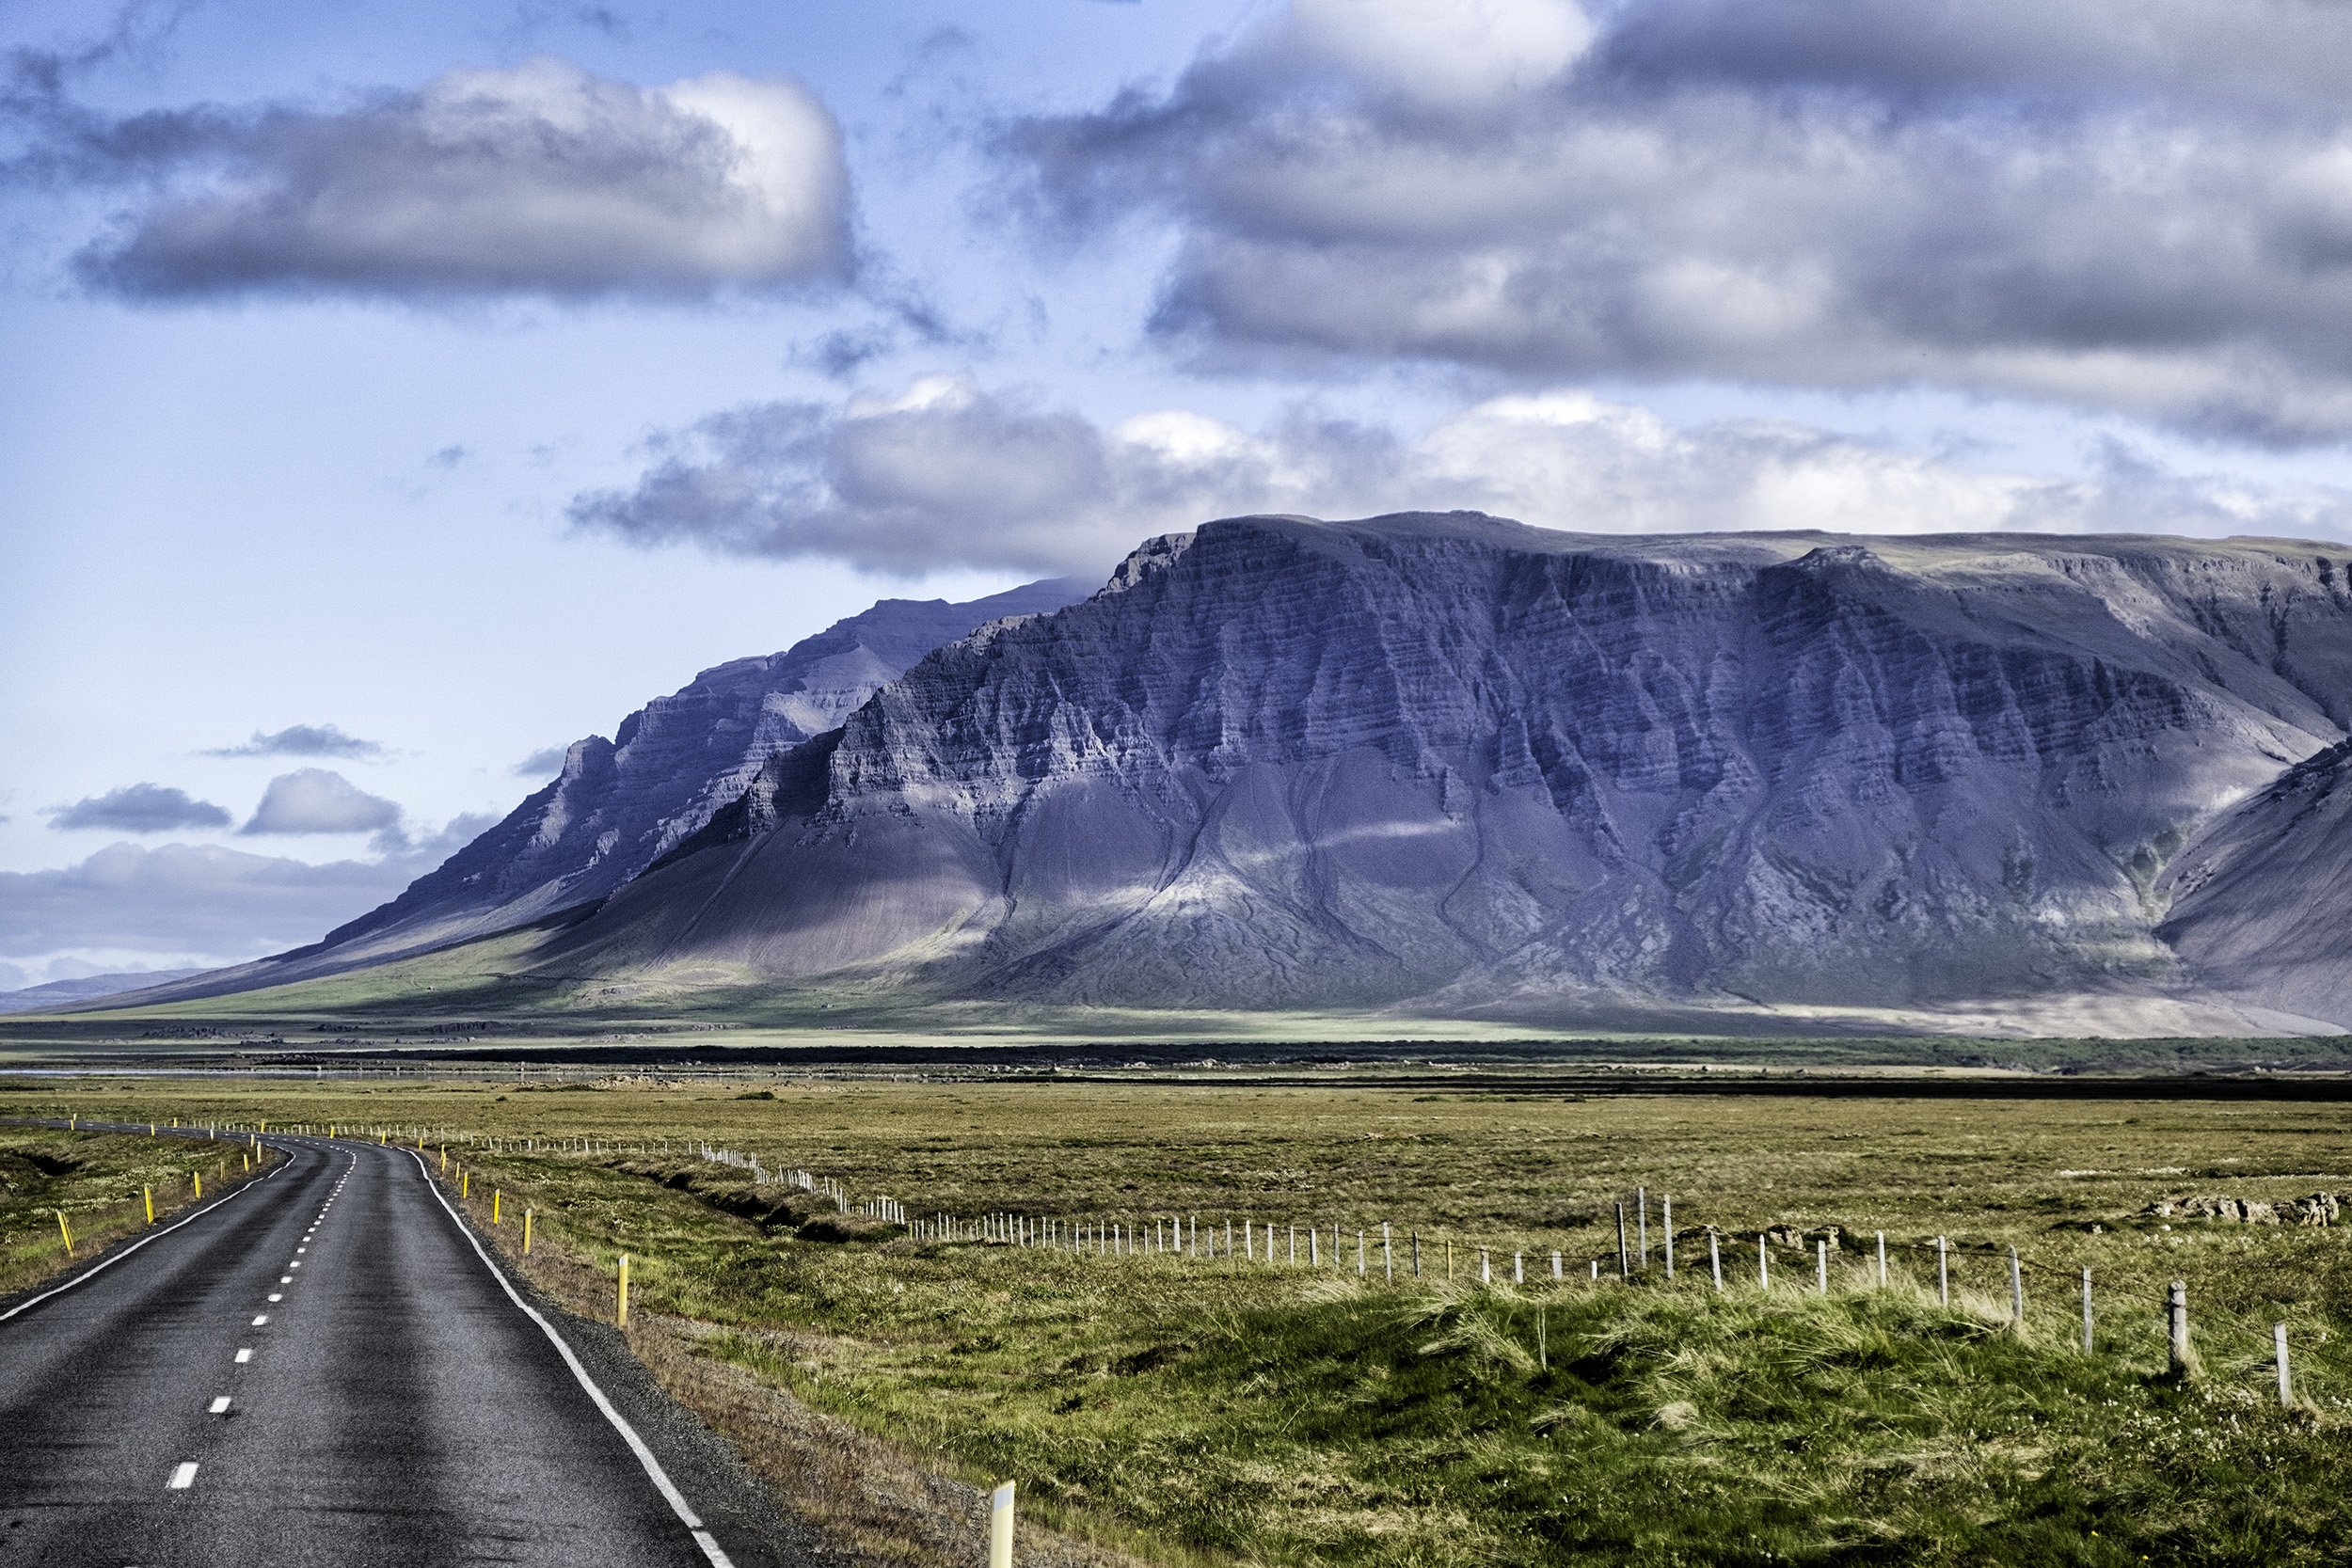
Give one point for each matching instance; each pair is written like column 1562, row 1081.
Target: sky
column 396, row 394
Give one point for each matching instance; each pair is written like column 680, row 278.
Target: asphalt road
column 324, row 1367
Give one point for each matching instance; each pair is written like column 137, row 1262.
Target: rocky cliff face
column 1449, row 764
column 620, row 804
column 2260, row 901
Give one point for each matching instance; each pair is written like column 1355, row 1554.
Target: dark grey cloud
column 140, row 808
column 303, row 740
column 208, row 902
column 2131, row 207
column 318, row 801
column 542, row 180
column 946, row 472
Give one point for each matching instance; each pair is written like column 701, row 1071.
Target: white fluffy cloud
column 946, row 472
column 539, row 180
column 320, row 801
column 2137, row 207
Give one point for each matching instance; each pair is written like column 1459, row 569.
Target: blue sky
column 394, row 393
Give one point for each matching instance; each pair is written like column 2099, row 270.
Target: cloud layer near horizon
column 541, row 179
column 2135, row 205
column 202, row 903
column 948, row 473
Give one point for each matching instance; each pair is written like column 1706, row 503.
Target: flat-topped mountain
column 1451, row 765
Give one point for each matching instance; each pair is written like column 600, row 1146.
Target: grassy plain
column 101, row 1183
column 1190, row 1409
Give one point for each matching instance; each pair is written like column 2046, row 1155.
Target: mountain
column 1448, row 764
column 88, row 988
column 2261, row 902
column 620, row 804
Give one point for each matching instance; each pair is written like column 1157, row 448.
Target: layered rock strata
column 1448, row 763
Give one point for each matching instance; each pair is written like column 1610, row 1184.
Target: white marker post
column 1000, row 1527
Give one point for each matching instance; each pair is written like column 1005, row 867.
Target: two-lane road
column 322, row 1368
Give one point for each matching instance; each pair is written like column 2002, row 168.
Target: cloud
column 544, row 763
column 140, row 808
column 303, row 740
column 947, row 473
column 2133, row 207
column 316, row 800
column 542, row 180
column 199, row 903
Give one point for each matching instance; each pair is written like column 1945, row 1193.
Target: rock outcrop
column 1451, row 764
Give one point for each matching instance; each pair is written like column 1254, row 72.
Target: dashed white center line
column 260, row 1321
column 243, row 1357
column 274, row 1296
column 302, row 1249
column 295, row 1265
column 219, row 1406
column 285, row 1279
column 182, row 1478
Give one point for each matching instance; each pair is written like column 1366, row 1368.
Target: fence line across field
column 1260, row 1242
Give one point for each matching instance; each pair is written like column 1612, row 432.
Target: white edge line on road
column 182, row 1478
column 152, row 1236
column 654, row 1471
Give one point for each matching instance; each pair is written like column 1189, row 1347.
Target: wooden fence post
column 1666, row 1223
column 1641, row 1203
column 1625, row 1267
column 2183, row 1357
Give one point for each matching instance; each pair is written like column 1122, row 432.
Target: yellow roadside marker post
column 197, row 1177
column 526, row 1232
column 445, row 1157
column 495, row 1195
column 151, row 1203
column 623, row 1283
column 465, row 1183
column 68, row 1235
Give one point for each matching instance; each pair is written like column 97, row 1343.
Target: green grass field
column 105, row 1184
column 1194, row 1409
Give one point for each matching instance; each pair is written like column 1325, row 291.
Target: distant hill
column 619, row 805
column 88, row 988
